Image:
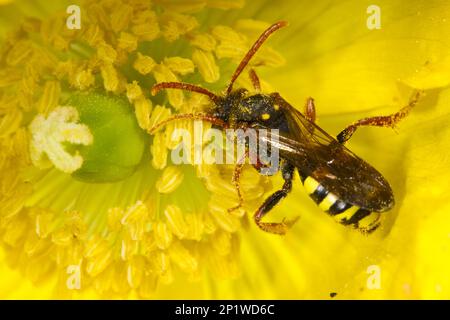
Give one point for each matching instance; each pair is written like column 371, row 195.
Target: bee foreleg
column 270, row 202
column 380, row 121
column 235, row 179
column 192, row 116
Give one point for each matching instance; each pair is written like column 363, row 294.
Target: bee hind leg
column 380, row 121
column 277, row 227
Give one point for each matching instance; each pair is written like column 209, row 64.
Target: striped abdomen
column 343, row 212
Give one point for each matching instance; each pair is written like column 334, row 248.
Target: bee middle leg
column 277, row 227
column 255, row 80
column 380, row 121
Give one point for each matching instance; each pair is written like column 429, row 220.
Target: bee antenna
column 263, row 37
column 184, row 86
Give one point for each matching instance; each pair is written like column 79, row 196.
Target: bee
column 338, row 181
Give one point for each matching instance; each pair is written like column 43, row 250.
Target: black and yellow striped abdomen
column 343, row 212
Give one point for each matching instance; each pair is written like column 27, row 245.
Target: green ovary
column 119, row 143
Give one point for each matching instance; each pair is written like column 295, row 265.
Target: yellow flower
column 86, row 191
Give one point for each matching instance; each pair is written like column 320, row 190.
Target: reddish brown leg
column 255, row 80
column 200, row 116
column 263, row 37
column 277, row 227
column 184, row 86
column 380, row 121
column 236, row 181
column 310, row 110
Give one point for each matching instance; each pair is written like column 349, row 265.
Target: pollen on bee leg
column 49, row 135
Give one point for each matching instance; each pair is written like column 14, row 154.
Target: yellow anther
column 127, row 42
column 50, row 97
column 82, row 79
column 206, row 65
column 224, row 219
column 110, row 77
column 251, row 27
column 121, row 17
column 159, row 114
column 21, row 51
column 265, row 116
column 178, row 65
column 144, row 64
column 175, row 24
column 195, row 225
column 49, row 135
column 163, row 235
column 136, row 212
column 93, row 35
column 163, row 74
column 142, row 109
column 159, row 151
column 170, row 179
column 135, row 271
column 134, row 91
column 225, row 4
column 106, row 53
column 232, row 44
column 221, row 242
column 10, row 122
column 43, row 224
column 146, row 25
column 182, row 5
column 182, row 257
column 176, row 221
column 204, row 41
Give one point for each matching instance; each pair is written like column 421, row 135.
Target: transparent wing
column 317, row 154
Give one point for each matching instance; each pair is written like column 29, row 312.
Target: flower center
column 87, row 91
column 118, row 141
